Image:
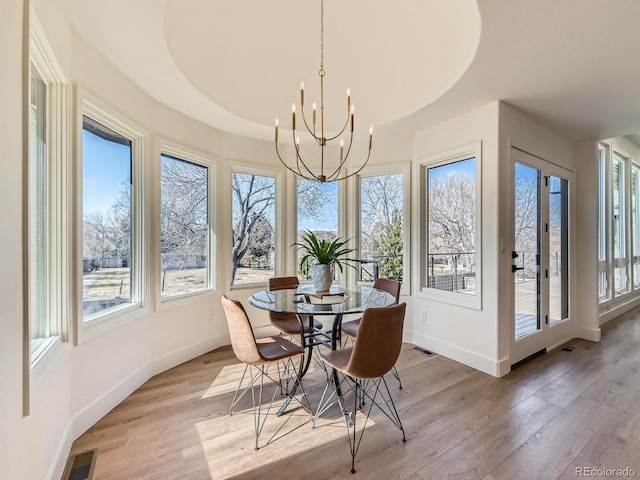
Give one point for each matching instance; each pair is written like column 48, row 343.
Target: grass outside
column 116, row 282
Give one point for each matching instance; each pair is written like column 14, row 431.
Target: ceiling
column 238, row 65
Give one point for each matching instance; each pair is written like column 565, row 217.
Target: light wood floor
column 559, row 412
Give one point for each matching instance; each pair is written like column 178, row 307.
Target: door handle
column 515, row 269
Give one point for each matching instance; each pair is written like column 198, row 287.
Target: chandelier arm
column 342, row 161
column 304, row 119
column 285, row 164
column 341, row 131
column 356, row 172
column 299, row 161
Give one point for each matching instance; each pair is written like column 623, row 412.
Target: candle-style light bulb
column 293, row 116
column 348, row 99
column 341, row 148
column 277, row 124
column 352, row 110
column 301, row 93
column 297, row 141
column 314, row 112
column 370, row 135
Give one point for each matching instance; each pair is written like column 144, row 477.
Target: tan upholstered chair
column 350, row 329
column 259, row 355
column 362, row 368
column 288, row 324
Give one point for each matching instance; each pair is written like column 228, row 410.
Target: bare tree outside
column 184, row 225
column 451, row 207
column 381, row 226
column 254, row 198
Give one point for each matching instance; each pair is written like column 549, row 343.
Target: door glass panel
column 527, row 247
column 558, row 249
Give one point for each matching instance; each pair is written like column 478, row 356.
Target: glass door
column 526, row 253
column 541, row 256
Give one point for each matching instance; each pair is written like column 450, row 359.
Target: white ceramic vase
column 321, row 276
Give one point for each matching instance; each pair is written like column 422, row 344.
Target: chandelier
column 301, row 168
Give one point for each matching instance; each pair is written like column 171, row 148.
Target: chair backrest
column 243, row 341
column 278, row 283
column 378, row 343
column 389, row 286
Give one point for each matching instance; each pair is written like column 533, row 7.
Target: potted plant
column 321, row 256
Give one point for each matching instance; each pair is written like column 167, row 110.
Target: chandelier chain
column 321, row 72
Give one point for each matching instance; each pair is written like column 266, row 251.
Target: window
column 318, row 212
column 621, row 276
column 451, row 223
column 382, row 229
column 112, row 228
column 106, row 200
column 253, row 224
column 618, row 224
column 603, row 284
column 635, row 224
column 47, row 204
column 38, row 207
column 184, row 226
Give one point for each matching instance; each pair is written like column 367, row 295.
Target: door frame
column 550, row 335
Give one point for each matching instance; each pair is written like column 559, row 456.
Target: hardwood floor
column 560, row 412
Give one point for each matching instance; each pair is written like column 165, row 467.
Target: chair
column 288, row 324
column 350, row 329
column 259, row 355
column 363, row 366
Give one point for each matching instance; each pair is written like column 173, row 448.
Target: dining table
column 305, row 303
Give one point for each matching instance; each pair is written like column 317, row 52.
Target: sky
column 105, row 166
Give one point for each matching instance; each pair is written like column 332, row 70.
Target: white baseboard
column 617, row 310
column 97, row 409
column 62, row 453
column 187, row 353
column 593, row 334
column 467, row 357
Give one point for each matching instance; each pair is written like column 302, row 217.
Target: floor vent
column 424, row 350
column 80, row 466
column 568, row 349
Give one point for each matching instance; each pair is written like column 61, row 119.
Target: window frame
column 463, row 152
column 279, row 253
column 86, row 329
column 400, row 168
column 166, row 147
column 634, row 222
column 604, row 239
column 624, row 260
column 37, row 361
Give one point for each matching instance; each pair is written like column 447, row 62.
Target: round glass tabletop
column 304, row 300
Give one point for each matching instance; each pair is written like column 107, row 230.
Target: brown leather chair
column 363, row 366
column 288, row 324
column 350, row 329
column 259, row 355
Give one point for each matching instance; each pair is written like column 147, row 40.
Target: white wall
column 464, row 334
column 586, row 233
